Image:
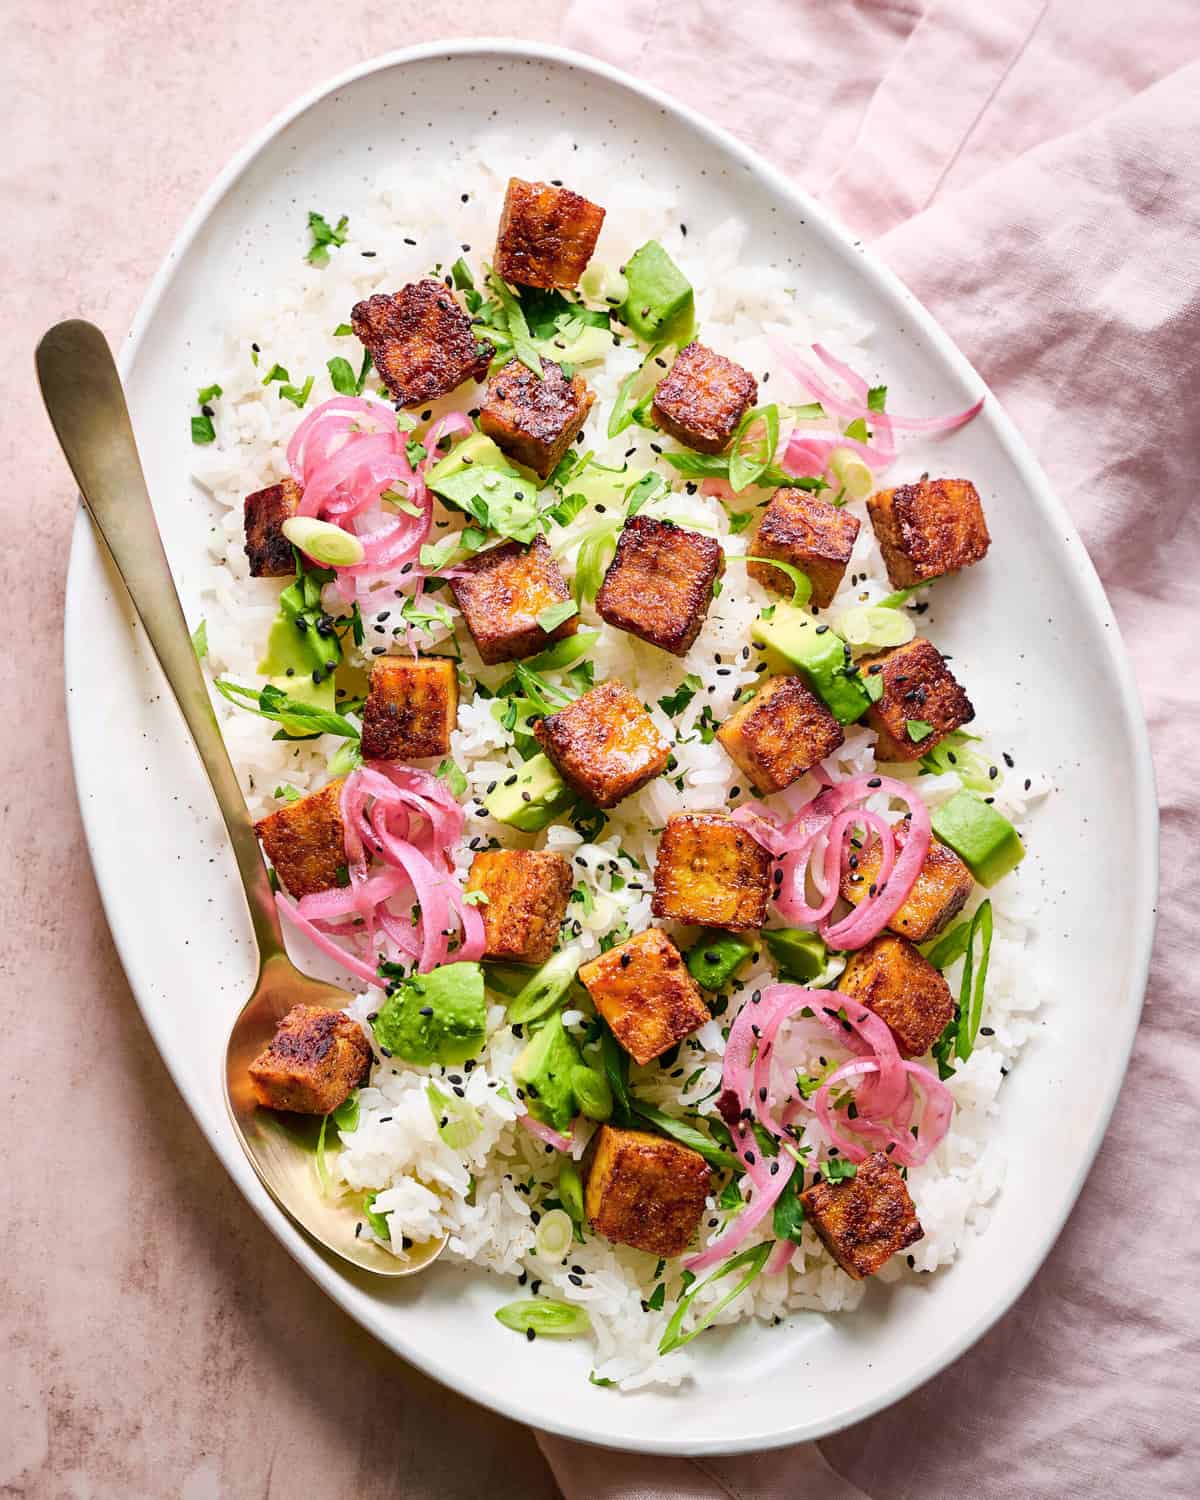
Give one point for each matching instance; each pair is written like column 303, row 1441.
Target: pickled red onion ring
column 899, row 1143
column 545, row 1133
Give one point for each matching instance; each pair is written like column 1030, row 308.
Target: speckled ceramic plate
column 1038, row 644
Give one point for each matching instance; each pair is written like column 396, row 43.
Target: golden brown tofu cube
column 546, row 236
column 865, row 1219
column 411, row 708
column 527, row 893
column 502, row 591
column 939, row 892
column 306, row 841
column 660, row 583
column 903, row 989
column 702, row 398
column 421, row 340
column 921, row 702
column 644, row 1190
column 780, row 733
column 265, row 511
column 710, row 873
column 313, row 1061
column 535, row 421
column 645, row 993
column 811, row 534
column 605, row 745
column 928, row 529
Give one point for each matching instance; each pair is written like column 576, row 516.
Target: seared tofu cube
column 527, row 893
column 644, row 991
column 811, row 534
column 313, row 1061
column 939, row 892
column 502, row 591
column 928, row 529
column 411, row 708
column 265, row 511
column 306, row 841
column 780, row 733
column 605, row 745
column 421, row 340
column 546, row 236
column 710, row 873
column 865, row 1219
column 702, row 398
column 644, row 1190
column 660, row 583
column 535, row 420
column 921, row 702
column 890, row 977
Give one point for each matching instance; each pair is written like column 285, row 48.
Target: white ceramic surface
column 1031, row 632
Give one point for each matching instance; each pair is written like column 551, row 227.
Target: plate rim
column 1144, row 795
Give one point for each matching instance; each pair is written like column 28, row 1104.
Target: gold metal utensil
column 82, row 391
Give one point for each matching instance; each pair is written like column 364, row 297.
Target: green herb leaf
column 378, row 1222
column 600, row 1379
column 200, row 640
column 917, row 730
column 287, row 792
column 674, row 703
column 739, row 520
column 276, row 372
column 753, row 1260
column 616, row 1070
column 858, row 431
column 648, row 487
column 541, row 1316
column 730, row 1197
column 297, row 394
column 452, row 774
column 209, row 393
column 788, row 1218
column 341, row 376
column 837, row 1169
column 654, row 1302
column 342, row 331
column 460, row 274
column 203, row 430
column 754, row 444
column 877, row 398
column 554, row 615
column 873, row 685
column 298, row 718
column 323, row 236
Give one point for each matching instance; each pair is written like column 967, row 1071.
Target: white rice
column 485, row 1197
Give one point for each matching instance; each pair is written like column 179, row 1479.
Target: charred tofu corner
column 921, row 702
column 410, row 709
column 313, row 1061
column 306, row 841
column 865, row 1219
column 928, row 529
column 535, row 420
column 643, row 990
column 422, row 341
column 702, row 398
column 660, row 583
column 265, row 511
column 939, row 892
column 502, row 591
column 547, row 235
column 710, row 873
column 811, row 534
column 605, row 745
column 644, row 1190
column 899, row 984
column 527, row 893
column 780, row 733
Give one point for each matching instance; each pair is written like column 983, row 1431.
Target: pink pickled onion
column 898, row 1143
column 545, row 1133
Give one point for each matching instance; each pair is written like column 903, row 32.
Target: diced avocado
column 660, row 306
column 715, row 957
column 302, row 636
column 819, row 654
column 799, row 955
column 547, row 987
column 476, row 449
column 536, row 796
column 475, row 477
column 544, row 1071
column 436, row 1017
column 983, row 839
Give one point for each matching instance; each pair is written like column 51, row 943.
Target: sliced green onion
column 870, row 627
column 975, row 771
column 754, row 445
column 323, row 541
column 570, row 1190
column 553, row 1319
column 601, row 283
column 592, row 1093
column 547, row 987
column 901, row 597
column 554, row 1234
column 686, row 1135
column 801, row 582
column 458, row 1122
column 754, row 1259
column 565, row 652
column 970, row 998
column 596, row 551
column 851, row 473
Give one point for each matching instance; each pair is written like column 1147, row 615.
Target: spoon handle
column 82, row 391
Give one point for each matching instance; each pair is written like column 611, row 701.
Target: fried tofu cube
column 605, row 745
column 865, row 1219
column 502, row 591
column 422, row 341
column 928, row 529
column 547, row 234
column 644, row 1190
column 306, row 841
column 660, row 583
column 702, row 398
column 644, row 991
column 535, row 420
column 411, row 708
column 810, row 533
column 527, row 893
column 921, row 702
column 899, row 984
column 939, row 892
column 779, row 733
column 313, row 1061
column 710, row 873
column 265, row 511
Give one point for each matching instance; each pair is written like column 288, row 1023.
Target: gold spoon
column 82, row 391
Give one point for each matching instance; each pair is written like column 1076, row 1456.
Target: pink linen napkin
column 1031, row 168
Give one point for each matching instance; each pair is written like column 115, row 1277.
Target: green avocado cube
column 660, row 305
column 819, row 654
column 437, row 1017
column 529, row 798
column 799, row 955
column 983, row 839
column 714, row 958
column 544, row 1071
